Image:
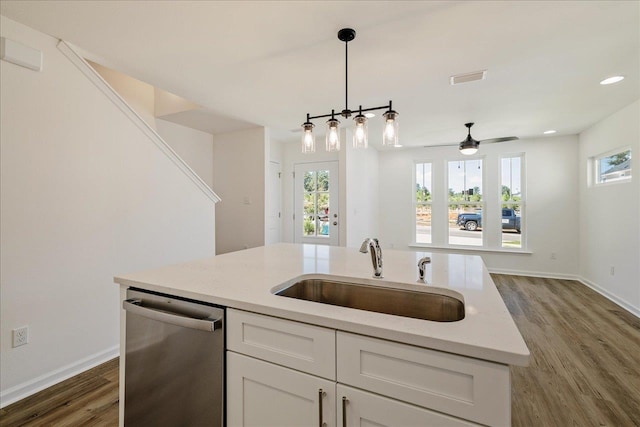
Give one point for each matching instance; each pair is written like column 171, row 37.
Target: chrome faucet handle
column 373, row 247
column 422, row 267
column 365, row 245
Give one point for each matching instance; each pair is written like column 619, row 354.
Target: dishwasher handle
column 134, row 306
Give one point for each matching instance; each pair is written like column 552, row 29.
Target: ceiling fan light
column 390, row 132
column 333, row 135
column 360, row 134
column 308, row 138
column 468, row 151
column 469, row 146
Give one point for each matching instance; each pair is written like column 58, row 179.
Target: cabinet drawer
column 299, row 346
column 472, row 389
column 367, row 409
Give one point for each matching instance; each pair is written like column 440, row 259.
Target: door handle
column 321, row 394
column 344, row 411
column 134, row 306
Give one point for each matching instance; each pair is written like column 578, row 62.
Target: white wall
column 139, row 95
column 193, row 146
column 362, row 193
column 239, row 161
column 552, row 198
column 610, row 214
column 84, row 196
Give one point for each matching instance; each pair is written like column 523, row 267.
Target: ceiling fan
column 470, row 146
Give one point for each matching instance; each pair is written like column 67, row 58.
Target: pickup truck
column 473, row 221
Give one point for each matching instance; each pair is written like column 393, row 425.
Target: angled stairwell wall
column 86, row 193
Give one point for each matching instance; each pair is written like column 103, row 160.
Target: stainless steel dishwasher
column 174, row 361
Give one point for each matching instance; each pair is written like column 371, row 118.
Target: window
column 423, row 199
column 465, row 201
column 316, row 203
column 613, row 167
column 512, row 199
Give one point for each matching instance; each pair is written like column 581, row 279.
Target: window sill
column 470, row 248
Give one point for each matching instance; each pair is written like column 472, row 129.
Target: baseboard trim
column 608, row 295
column 28, row 388
column 618, row 301
column 533, row 274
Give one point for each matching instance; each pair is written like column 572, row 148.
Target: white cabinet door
column 362, row 409
column 261, row 394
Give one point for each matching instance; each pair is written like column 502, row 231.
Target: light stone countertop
column 245, row 280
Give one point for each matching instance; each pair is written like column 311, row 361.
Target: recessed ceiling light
column 369, row 115
column 612, row 80
column 549, row 132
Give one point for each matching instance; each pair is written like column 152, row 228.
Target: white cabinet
column 362, row 409
column 413, row 386
column 296, row 345
column 261, row 394
column 472, row 389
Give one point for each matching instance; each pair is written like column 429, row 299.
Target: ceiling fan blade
column 453, row 144
column 503, row 139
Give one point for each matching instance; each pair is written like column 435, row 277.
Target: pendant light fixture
column 360, row 135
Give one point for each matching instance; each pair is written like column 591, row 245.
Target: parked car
column 472, row 221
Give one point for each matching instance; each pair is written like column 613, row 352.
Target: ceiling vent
column 468, row 77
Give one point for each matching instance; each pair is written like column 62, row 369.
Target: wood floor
column 584, row 371
column 88, row 399
column 585, row 364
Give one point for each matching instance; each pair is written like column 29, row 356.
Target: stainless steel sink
column 399, row 302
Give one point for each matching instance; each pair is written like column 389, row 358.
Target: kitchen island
column 457, row 371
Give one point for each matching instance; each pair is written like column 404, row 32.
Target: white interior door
column 273, row 205
column 316, row 203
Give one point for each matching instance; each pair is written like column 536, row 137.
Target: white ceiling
column 270, row 63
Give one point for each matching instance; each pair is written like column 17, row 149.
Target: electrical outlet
column 20, row 336
column 553, row 255
column 612, row 270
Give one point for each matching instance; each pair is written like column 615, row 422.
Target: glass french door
column 316, row 203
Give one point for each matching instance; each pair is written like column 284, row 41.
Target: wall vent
column 468, row 77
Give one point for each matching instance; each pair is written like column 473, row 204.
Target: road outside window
column 512, row 201
column 465, row 202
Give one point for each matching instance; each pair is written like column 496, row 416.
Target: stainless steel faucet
column 422, row 267
column 373, row 247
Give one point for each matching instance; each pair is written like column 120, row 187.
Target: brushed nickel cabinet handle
column 344, row 411
column 321, row 394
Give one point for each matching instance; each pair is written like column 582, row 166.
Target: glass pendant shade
column 308, row 138
column 333, row 135
column 360, row 134
column 390, row 132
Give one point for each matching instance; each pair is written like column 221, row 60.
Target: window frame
column 522, row 202
column 594, row 163
column 482, row 204
column 416, row 203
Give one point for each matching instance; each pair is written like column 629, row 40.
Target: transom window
column 613, row 167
